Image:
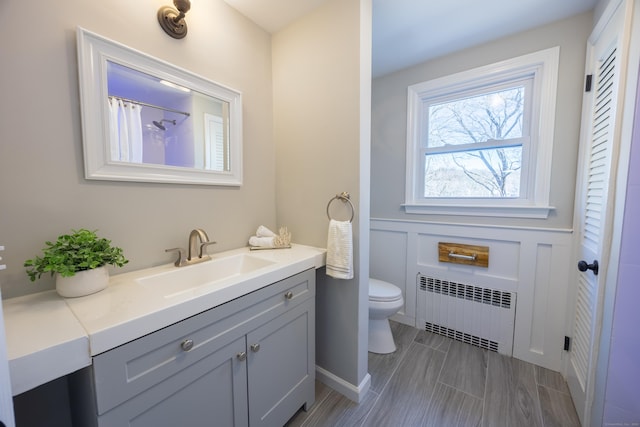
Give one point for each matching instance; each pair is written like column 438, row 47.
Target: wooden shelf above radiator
column 458, row 253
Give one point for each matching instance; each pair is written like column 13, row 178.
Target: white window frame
column 542, row 67
column 214, row 150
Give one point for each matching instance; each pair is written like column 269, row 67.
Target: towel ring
column 346, row 198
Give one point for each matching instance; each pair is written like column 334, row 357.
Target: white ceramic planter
column 83, row 283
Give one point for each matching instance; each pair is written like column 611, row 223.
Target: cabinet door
column 281, row 371
column 210, row 392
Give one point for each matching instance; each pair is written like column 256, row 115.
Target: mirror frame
column 93, row 53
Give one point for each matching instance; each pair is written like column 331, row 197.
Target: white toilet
column 385, row 300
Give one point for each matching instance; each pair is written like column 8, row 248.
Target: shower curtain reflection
column 125, row 131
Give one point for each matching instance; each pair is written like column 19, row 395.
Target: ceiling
column 274, row 15
column 408, row 32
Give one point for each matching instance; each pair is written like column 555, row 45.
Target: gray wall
column 42, row 185
column 321, row 121
column 389, row 118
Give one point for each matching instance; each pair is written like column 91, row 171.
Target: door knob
column 255, row 348
column 242, row 356
column 583, row 266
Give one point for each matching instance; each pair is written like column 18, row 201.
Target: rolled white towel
column 263, row 242
column 264, row 232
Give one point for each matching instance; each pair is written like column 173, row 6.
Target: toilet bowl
column 385, row 300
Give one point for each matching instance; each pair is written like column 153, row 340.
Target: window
column 216, row 156
column 480, row 142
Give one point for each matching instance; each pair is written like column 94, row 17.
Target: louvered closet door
column 593, row 214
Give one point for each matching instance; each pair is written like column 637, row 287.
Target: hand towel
column 263, row 242
column 264, row 232
column 340, row 250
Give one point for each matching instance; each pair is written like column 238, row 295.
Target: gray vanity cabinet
column 280, row 365
column 249, row 362
column 209, row 392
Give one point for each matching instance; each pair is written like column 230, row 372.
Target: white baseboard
column 350, row 391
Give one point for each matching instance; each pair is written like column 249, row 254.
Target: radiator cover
column 482, row 317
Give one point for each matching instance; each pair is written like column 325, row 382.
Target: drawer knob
column 288, row 295
column 242, row 356
column 255, row 348
column 187, row 345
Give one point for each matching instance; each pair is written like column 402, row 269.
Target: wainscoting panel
column 530, row 262
column 390, row 265
column 503, row 261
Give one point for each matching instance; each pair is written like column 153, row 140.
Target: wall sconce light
column 172, row 20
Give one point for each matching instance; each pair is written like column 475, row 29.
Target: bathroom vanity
column 235, row 351
column 250, row 361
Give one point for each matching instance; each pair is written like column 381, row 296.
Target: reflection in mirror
column 146, row 120
column 155, row 121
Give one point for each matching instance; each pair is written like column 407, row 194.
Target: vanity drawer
column 132, row 368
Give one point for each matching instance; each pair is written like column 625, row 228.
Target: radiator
column 482, row 317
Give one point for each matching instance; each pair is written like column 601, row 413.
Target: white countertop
column 49, row 336
column 44, row 340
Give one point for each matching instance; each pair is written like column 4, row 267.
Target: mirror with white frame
column 144, row 119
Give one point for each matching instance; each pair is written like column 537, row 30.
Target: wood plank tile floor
column 434, row 381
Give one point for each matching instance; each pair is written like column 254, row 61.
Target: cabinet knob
column 255, row 348
column 242, row 356
column 288, row 295
column 187, row 345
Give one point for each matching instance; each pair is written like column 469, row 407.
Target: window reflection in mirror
column 157, row 122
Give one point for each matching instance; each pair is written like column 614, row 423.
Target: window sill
column 513, row 211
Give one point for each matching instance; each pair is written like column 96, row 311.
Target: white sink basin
column 179, row 280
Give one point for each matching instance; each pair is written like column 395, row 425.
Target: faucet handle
column 181, row 259
column 203, row 248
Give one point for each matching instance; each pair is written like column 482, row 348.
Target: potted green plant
column 78, row 261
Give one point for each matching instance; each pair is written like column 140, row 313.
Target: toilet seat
column 381, row 291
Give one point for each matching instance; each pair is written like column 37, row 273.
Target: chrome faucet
column 194, row 248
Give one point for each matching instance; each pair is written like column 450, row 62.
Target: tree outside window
column 474, row 145
column 480, row 142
